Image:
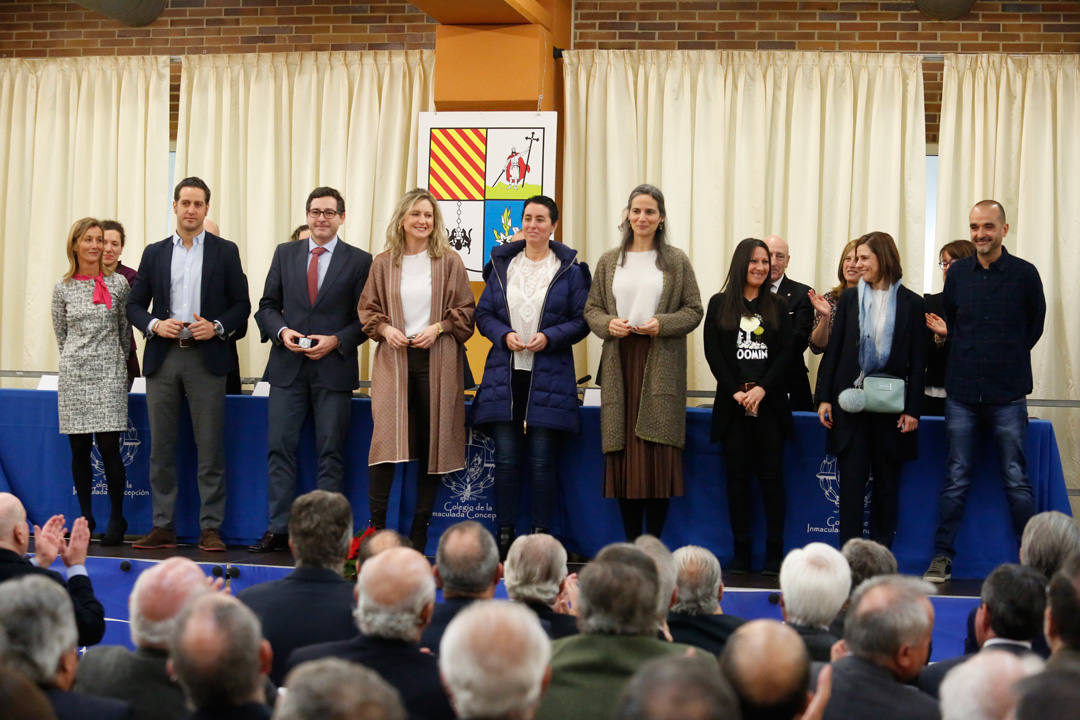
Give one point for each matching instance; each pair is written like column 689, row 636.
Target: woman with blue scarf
column 878, row 331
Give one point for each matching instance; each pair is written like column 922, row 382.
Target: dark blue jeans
column 512, row 442
column 1007, row 423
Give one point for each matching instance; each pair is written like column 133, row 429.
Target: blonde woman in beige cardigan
column 418, row 307
column 644, row 301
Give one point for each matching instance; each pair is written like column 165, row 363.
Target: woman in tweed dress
column 92, row 336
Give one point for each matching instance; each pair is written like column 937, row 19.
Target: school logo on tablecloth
column 481, row 167
column 470, row 497
column 129, row 449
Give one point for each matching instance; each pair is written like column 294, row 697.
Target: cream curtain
column 816, row 147
column 78, row 137
column 263, row 130
column 1009, row 131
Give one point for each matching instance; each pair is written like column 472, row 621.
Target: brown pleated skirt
column 643, row 469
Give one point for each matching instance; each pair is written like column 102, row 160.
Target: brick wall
column 41, row 28
column 884, row 25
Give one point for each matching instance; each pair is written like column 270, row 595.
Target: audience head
column 334, row 689
column 698, row 581
column 665, row 571
column 814, row 583
column 1013, row 604
column 395, row 595
column 320, row 529
column 217, row 653
column 535, row 568
column 767, row 665
column 158, row 597
column 1047, row 695
column 1049, row 539
column 14, row 531
column 378, row 541
column 677, row 687
column 467, row 561
column 890, row 622
column 983, row 688
column 867, row 559
column 1062, row 622
column 617, row 593
column 302, row 232
column 39, row 618
column 493, row 659
column 22, row 699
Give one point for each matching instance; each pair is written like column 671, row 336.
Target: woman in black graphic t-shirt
column 747, row 340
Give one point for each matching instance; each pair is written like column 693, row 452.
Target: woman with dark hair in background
column 418, row 307
column 825, row 305
column 532, row 312
column 92, row 334
column 643, row 303
column 115, row 239
column 878, row 330
column 934, row 392
column 747, row 343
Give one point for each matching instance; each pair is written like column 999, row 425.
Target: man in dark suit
column 814, row 584
column 218, row 655
column 536, row 577
column 801, row 313
column 887, row 635
column 200, row 299
column 320, row 530
column 308, row 310
column 48, row 544
column 40, row 623
column 395, row 596
column 697, row 618
column 467, row 568
column 140, row 676
column 1009, row 618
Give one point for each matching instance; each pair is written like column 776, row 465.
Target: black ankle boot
column 740, row 563
column 377, row 518
column 505, row 540
column 774, row 556
column 114, row 535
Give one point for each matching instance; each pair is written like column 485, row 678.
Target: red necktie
column 313, row 274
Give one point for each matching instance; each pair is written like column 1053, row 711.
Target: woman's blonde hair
column 850, row 247
column 78, row 229
column 438, row 242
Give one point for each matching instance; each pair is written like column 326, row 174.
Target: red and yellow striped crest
column 457, row 163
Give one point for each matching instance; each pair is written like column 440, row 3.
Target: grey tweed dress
column 93, row 344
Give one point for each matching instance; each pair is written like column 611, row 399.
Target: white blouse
column 527, row 283
column 637, row 285
column 416, row 292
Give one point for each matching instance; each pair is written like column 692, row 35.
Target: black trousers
column 871, row 450
column 82, row 472
column 381, row 476
column 755, row 447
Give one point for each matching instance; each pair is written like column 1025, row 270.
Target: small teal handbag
column 884, row 393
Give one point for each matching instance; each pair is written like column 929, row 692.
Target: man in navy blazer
column 200, row 300
column 308, row 311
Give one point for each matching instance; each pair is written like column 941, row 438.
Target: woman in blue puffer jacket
column 532, row 312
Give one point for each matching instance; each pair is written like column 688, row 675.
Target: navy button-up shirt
column 995, row 316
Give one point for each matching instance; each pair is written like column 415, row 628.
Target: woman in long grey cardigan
column 643, row 303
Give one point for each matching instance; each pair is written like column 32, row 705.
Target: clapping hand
column 820, row 303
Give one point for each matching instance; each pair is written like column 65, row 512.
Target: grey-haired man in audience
column 467, row 568
column 333, row 689
column 697, row 618
column 536, row 577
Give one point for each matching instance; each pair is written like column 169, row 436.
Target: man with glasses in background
column 308, row 312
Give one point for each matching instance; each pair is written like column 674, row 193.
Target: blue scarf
column 870, row 361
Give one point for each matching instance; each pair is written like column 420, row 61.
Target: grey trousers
column 183, row 374
column 288, row 407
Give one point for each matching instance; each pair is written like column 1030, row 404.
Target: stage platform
column 35, row 465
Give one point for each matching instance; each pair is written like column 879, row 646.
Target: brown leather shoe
column 210, row 540
column 270, row 542
column 156, row 539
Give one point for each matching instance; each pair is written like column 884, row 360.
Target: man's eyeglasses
column 328, row 214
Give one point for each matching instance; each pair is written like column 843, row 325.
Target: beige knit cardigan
column 453, row 305
column 662, row 412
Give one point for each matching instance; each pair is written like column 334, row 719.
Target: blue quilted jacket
column 553, row 392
